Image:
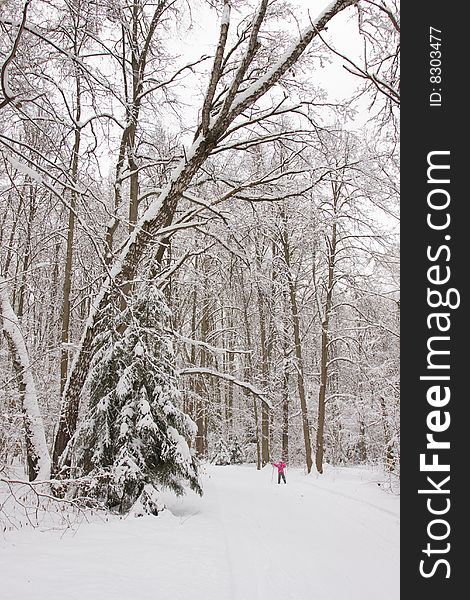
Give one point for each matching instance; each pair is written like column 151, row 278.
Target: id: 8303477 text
column 435, row 67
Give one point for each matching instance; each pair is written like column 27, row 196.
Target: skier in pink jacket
column 280, row 466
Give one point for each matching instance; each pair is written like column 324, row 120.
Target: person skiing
column 280, row 466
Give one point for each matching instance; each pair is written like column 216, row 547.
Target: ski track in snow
column 336, row 493
column 248, row 538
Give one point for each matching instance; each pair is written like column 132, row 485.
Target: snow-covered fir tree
column 236, row 453
column 227, row 453
column 221, row 454
column 133, row 440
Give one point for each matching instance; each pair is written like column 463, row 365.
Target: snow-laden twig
column 30, row 503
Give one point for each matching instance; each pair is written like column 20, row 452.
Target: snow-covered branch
column 215, row 349
column 8, row 93
column 243, row 384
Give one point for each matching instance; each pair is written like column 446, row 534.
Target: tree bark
column 249, row 373
column 37, row 454
column 285, row 386
column 265, row 429
column 294, row 309
column 201, row 412
column 324, row 344
column 390, row 458
column 27, row 254
column 68, row 269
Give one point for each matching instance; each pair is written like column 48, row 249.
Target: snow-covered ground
column 334, row 537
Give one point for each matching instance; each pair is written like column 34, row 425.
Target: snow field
column 330, row 537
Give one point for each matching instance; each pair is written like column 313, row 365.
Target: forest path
column 316, row 538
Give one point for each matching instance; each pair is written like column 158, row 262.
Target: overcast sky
column 342, row 34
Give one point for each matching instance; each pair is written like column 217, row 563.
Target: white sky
column 203, row 35
column 342, row 29
column 194, row 38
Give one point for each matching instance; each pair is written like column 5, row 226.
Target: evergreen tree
column 227, row 453
column 134, row 438
column 221, row 453
column 236, row 453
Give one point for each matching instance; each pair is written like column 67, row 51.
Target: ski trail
column 359, row 500
column 247, row 550
column 247, row 538
column 286, row 542
column 220, row 522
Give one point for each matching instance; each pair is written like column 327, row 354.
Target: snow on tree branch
column 243, row 384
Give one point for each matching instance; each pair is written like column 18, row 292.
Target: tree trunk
column 249, row 373
column 362, row 447
column 229, row 368
column 68, row 270
column 285, row 416
column 324, row 350
column 9, row 246
column 201, row 391
column 190, row 402
column 297, row 343
column 265, row 429
column 38, row 458
column 285, row 377
column 285, row 403
column 27, row 254
column 390, row 459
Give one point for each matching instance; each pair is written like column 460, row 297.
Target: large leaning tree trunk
column 37, row 454
column 220, row 109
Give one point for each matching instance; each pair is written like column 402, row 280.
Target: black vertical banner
column 435, row 352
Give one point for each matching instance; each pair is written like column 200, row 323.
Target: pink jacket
column 280, row 466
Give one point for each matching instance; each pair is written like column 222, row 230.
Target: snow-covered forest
column 199, row 247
